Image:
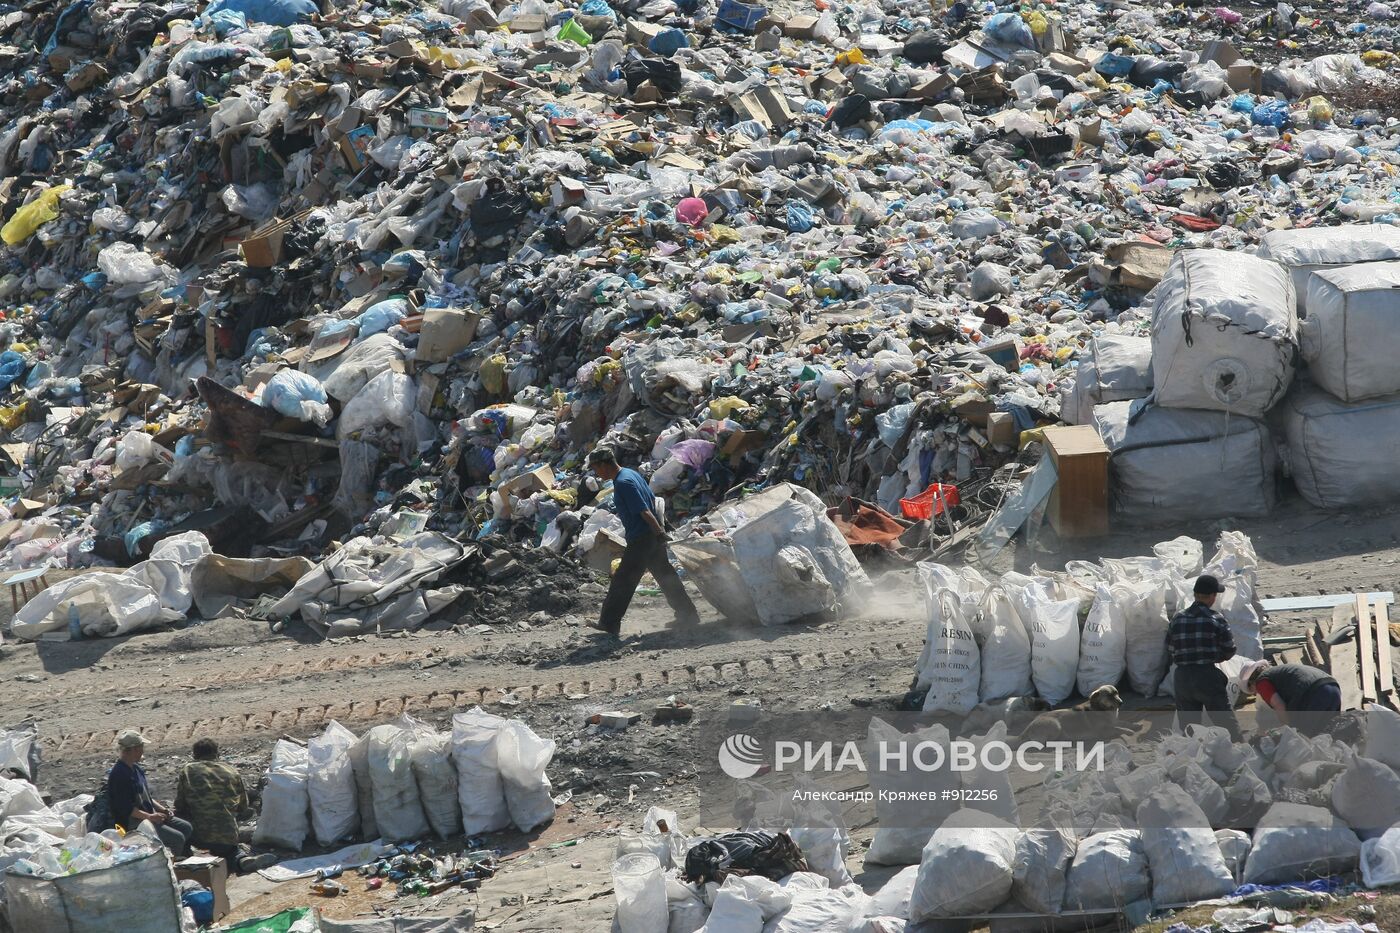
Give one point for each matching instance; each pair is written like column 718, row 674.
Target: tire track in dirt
column 507, row 693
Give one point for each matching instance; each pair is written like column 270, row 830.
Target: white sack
column 523, row 757
column 1005, row 648
column 1145, row 625
column 954, row 667
column 479, row 788
column 1112, row 368
column 1380, row 859
column 335, row 813
column 1234, row 846
column 1349, row 337
column 1054, row 631
column 397, row 809
column 1182, row 854
column 1367, row 797
column 966, row 867
column 892, row 900
column 905, row 825
column 1383, row 735
column 1342, row 455
column 1224, row 333
column 1170, row 465
column 1041, row 869
column 389, row 399
column 1102, row 642
column 437, row 781
column 1184, row 554
column 1108, row 871
column 1294, row 842
column 283, row 822
column 1318, row 249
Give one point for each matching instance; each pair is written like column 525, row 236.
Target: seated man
column 210, row 794
column 129, row 796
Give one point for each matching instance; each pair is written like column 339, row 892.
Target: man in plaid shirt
column 1198, row 638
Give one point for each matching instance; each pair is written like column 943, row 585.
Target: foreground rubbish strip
column 349, row 857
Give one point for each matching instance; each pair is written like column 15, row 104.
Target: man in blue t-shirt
column 646, row 546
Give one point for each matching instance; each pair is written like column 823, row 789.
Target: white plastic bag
column 295, row 394
column 387, row 399
column 1108, row 871
column 954, row 670
column 364, row 788
column 1041, row 869
column 1005, row 647
column 1367, row 796
column 966, row 867
column 640, row 890
column 523, row 757
column 479, row 788
column 283, row 822
column 437, row 781
column 1294, row 842
column 1103, row 642
column 335, row 813
column 397, row 809
column 1054, row 628
column 1182, row 854
column 1380, row 859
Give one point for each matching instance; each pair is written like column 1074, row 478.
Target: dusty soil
column 245, row 685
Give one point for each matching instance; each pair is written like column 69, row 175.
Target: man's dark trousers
column 1201, row 687
column 647, row 552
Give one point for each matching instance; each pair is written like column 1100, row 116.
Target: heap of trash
column 292, row 275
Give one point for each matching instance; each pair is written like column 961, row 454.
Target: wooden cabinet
column 1079, row 504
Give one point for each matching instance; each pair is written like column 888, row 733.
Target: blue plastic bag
column 668, row 42
column 272, row 12
column 1243, row 103
column 11, row 368
column 287, row 391
column 799, row 216
column 1114, row 66
column 597, row 8
column 1010, row 29
column 382, row 316
column 1271, row 113
column 227, row 21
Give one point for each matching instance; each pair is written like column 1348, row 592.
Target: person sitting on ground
column 1291, row 689
column 130, row 798
column 636, row 506
column 212, row 796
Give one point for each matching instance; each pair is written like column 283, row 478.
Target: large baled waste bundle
column 1342, row 455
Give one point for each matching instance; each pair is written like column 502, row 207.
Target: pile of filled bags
column 404, row 780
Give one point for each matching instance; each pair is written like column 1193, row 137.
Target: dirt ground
column 245, row 685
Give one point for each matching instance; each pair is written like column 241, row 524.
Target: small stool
column 27, row 584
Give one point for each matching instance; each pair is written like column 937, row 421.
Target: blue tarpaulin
column 273, row 12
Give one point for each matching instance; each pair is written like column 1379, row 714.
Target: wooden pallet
column 1362, row 663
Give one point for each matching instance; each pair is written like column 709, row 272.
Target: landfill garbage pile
column 1200, row 818
column 1058, row 634
column 287, row 275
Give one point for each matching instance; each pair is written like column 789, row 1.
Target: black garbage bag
column 664, row 75
column 849, row 111
column 925, row 48
column 770, row 855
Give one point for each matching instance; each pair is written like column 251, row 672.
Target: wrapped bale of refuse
column 138, row 896
column 966, row 867
column 1350, row 335
column 1320, row 249
column 1170, row 464
column 1342, row 455
column 1112, row 368
column 1224, row 333
column 1295, row 842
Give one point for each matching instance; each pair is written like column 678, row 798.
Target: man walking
column 1199, row 638
column 635, row 505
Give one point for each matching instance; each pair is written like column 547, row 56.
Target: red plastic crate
column 930, row 502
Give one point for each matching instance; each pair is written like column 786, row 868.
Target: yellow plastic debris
column 32, row 216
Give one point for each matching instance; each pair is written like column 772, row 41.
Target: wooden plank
column 1292, row 656
column 1342, row 659
column 1299, row 603
column 1366, row 648
column 1316, row 647
column 1385, row 673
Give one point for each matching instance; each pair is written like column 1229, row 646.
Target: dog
column 1014, row 711
column 1096, row 719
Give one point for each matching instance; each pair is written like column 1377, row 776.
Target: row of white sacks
column 405, row 780
column 1146, row 835
column 1023, row 635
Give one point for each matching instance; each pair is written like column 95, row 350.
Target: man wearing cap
column 1198, row 639
column 635, row 505
column 129, row 796
column 1294, row 688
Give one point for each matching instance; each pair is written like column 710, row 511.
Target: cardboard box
column 801, row 27
column 1079, row 503
column 262, row 249
column 1001, row 429
column 445, row 332
column 1245, row 77
column 355, row 147
column 530, row 22
column 210, row 871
